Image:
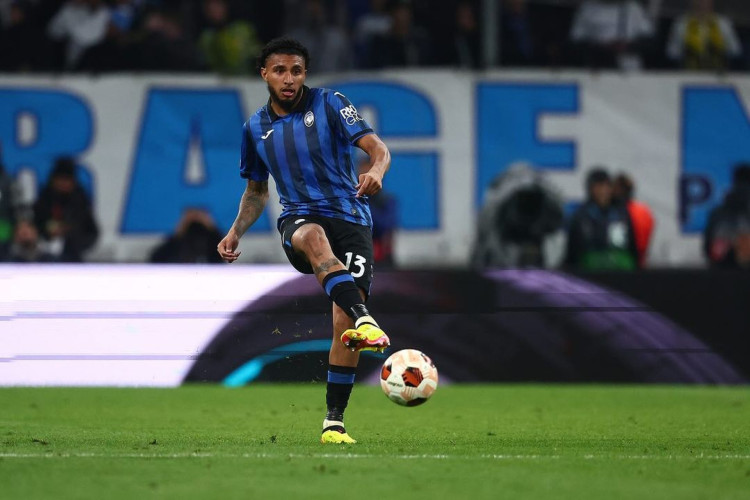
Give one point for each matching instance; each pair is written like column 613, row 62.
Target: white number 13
column 359, row 263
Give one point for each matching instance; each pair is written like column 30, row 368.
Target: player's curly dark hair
column 283, row 45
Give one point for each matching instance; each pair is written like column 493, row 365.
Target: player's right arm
column 253, row 199
column 251, row 206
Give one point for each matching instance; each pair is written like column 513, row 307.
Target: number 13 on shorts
column 358, row 263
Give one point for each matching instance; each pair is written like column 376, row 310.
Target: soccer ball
column 408, row 377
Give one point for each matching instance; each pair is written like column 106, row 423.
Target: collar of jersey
column 301, row 105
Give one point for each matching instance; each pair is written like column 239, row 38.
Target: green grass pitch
column 469, row 441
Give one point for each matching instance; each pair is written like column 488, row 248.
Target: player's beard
column 284, row 103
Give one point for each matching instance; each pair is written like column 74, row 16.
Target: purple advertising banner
column 148, row 325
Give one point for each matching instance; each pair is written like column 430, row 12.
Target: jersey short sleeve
column 251, row 166
column 350, row 121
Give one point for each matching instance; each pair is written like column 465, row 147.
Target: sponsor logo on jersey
column 350, row 115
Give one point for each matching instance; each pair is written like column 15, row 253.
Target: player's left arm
column 380, row 161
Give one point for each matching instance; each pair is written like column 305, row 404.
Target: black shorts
column 351, row 244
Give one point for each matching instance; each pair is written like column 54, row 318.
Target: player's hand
column 228, row 247
column 369, row 183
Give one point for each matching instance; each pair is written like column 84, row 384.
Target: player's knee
column 310, row 239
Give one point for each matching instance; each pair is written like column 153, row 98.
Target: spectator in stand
column 21, row 39
column 405, row 45
column 465, row 50
column 163, row 45
column 123, row 14
column 194, row 241
column 357, row 9
column 79, row 24
column 703, row 40
column 640, row 214
column 611, row 34
column 328, row 44
column 374, row 23
column 115, row 52
column 63, row 214
column 729, row 221
column 600, row 234
column 517, row 47
column 229, row 46
column 26, row 245
column 533, row 34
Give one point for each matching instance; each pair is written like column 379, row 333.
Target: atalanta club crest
column 309, row 119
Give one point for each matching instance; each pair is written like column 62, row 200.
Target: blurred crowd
column 523, row 223
column 225, row 36
column 58, row 226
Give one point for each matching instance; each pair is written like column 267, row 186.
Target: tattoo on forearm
column 251, row 206
column 323, row 267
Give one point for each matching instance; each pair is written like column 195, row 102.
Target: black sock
column 341, row 288
column 340, row 383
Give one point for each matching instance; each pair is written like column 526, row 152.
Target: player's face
column 285, row 75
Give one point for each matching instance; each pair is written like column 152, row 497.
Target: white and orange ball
column 408, row 377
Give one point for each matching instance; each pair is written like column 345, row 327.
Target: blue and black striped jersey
column 309, row 155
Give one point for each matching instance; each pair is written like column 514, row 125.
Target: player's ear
column 263, row 72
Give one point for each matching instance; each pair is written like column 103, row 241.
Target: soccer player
column 302, row 137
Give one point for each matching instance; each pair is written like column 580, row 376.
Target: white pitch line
column 366, row 456
column 699, row 456
column 271, row 456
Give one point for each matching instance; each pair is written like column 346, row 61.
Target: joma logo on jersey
column 350, row 114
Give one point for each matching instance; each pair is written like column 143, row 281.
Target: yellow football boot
column 334, row 433
column 367, row 337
